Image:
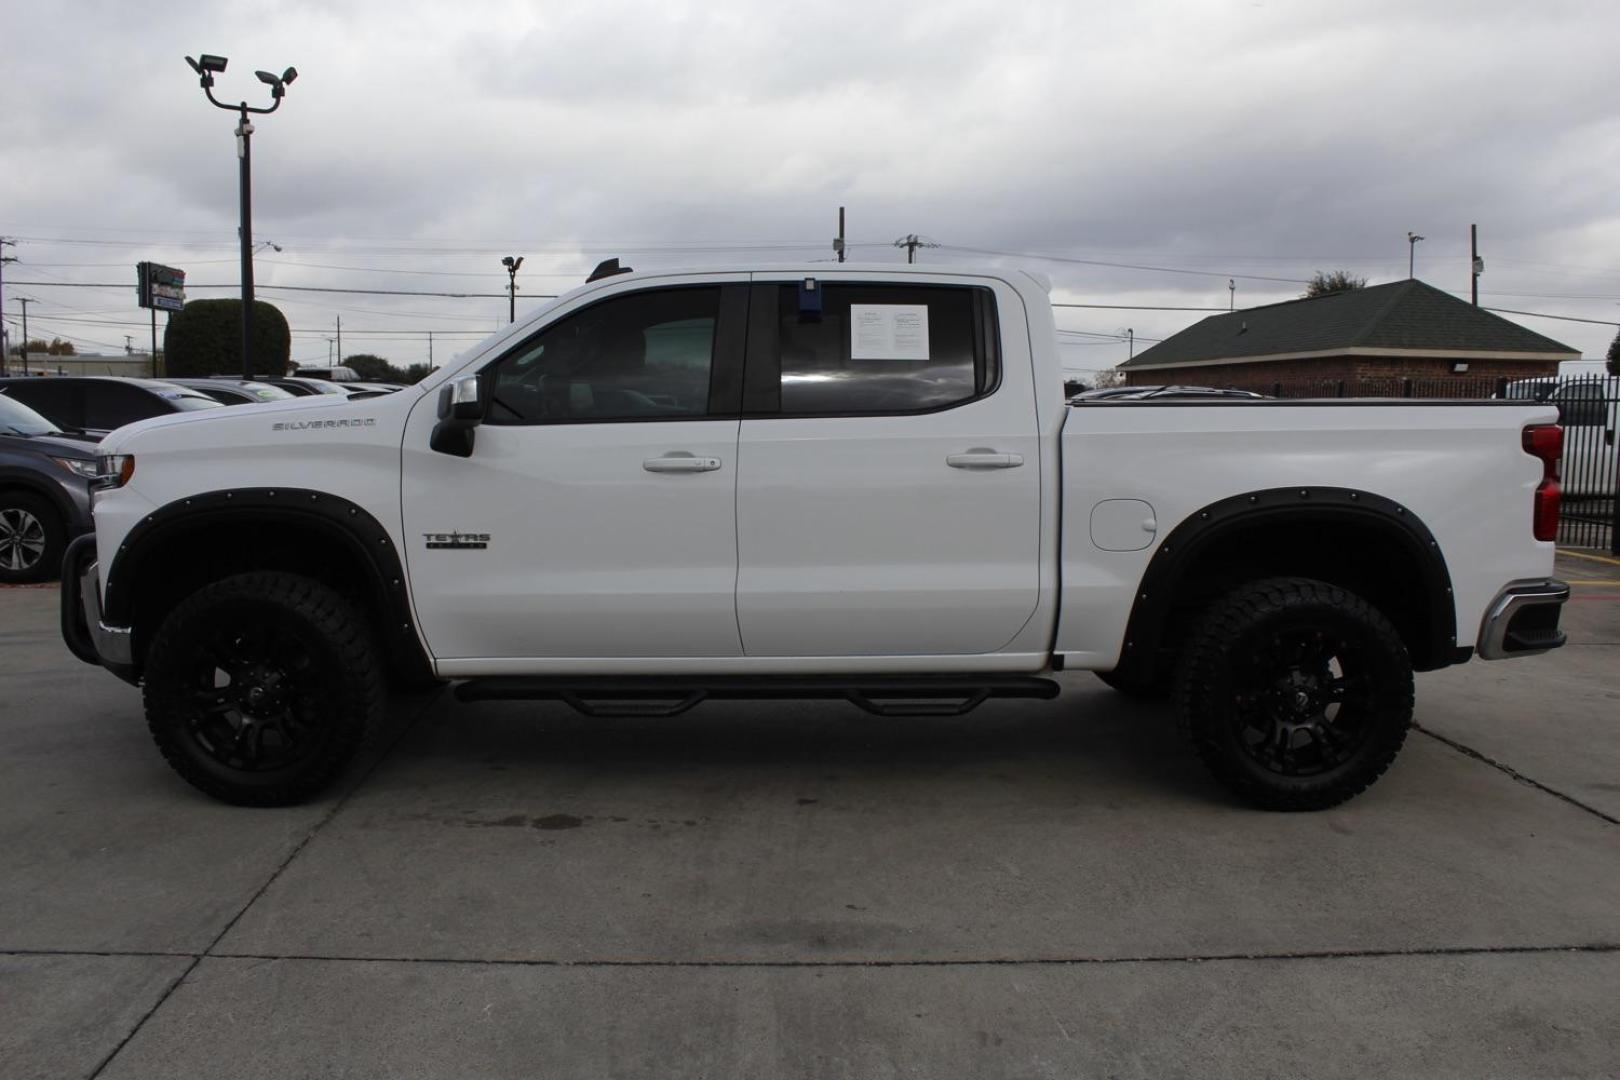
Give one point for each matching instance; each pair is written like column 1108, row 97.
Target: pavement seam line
column 197, row 958
column 1596, row 948
column 1469, row 751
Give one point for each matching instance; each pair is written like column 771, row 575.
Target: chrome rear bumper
column 1523, row 620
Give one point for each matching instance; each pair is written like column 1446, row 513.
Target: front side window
column 883, row 348
column 112, row 405
column 640, row 356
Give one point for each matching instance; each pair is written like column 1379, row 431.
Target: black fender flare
column 345, row 522
column 1155, row 598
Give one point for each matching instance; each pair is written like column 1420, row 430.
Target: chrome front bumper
column 86, row 635
column 1523, row 620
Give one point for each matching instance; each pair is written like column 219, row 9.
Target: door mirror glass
column 462, row 403
column 463, row 399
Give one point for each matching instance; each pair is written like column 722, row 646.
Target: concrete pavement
column 1040, row 888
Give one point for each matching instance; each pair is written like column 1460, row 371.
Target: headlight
column 113, row 470
column 79, row 467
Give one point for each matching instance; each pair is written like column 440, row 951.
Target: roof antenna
column 608, row 268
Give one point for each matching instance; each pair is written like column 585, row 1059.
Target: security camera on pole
column 512, row 263
column 206, row 67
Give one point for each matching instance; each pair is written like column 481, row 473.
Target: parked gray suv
column 44, row 493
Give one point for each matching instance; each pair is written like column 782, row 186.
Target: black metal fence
column 1589, row 408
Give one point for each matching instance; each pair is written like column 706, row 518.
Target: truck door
column 888, row 470
column 596, row 515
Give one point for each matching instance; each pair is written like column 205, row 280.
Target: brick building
column 1402, row 330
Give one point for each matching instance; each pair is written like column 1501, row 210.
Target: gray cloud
column 1267, row 139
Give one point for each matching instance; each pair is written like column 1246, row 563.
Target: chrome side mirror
column 462, row 404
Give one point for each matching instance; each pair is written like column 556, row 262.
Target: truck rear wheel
column 1296, row 694
column 261, row 688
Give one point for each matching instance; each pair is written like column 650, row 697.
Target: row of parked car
column 49, row 431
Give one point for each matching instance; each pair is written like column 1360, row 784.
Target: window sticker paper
column 888, row 332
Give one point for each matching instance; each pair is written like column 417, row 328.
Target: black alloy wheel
column 261, row 688
column 1296, row 694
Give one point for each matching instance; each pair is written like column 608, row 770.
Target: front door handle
column 681, row 462
column 983, row 459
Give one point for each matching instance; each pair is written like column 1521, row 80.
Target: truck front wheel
column 261, row 688
column 1296, row 694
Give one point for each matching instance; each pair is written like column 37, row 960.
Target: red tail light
column 1546, row 441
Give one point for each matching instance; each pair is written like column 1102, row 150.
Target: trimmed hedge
column 206, row 339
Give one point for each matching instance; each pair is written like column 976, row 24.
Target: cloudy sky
column 1189, row 142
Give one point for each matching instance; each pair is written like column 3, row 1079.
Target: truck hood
column 62, row 445
column 329, row 409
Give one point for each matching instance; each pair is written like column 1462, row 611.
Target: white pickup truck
column 808, row 481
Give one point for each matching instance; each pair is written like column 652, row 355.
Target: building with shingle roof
column 1405, row 329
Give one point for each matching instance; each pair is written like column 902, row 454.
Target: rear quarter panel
column 1459, row 467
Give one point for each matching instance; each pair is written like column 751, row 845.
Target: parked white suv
column 804, row 481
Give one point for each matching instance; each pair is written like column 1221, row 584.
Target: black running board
column 887, row 695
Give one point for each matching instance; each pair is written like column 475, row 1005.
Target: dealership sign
column 161, row 287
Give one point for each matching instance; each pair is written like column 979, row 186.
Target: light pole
column 511, row 262
column 1412, row 239
column 206, row 67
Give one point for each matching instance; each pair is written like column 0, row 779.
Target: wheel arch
column 17, row 480
column 191, row 542
column 1355, row 539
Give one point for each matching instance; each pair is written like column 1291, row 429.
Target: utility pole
column 838, row 244
column 1231, row 297
column 5, row 242
column 24, row 301
column 340, row 340
column 430, row 350
column 1476, row 265
column 1412, row 239
column 1130, row 337
column 911, row 242
column 129, row 344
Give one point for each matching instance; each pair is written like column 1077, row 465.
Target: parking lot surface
column 1036, row 889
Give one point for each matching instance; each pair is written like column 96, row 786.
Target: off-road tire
column 45, row 528
column 1235, row 677
column 254, row 626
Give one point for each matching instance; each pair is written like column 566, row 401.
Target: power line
column 1543, row 315
column 299, row 288
column 1137, row 307
column 1120, row 265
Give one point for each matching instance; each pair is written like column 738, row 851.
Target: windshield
column 18, row 419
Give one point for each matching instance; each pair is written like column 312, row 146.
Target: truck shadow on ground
column 1085, row 737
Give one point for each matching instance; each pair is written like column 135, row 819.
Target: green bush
column 206, row 339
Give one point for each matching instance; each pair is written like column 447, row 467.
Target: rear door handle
column 984, row 459
column 681, row 462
